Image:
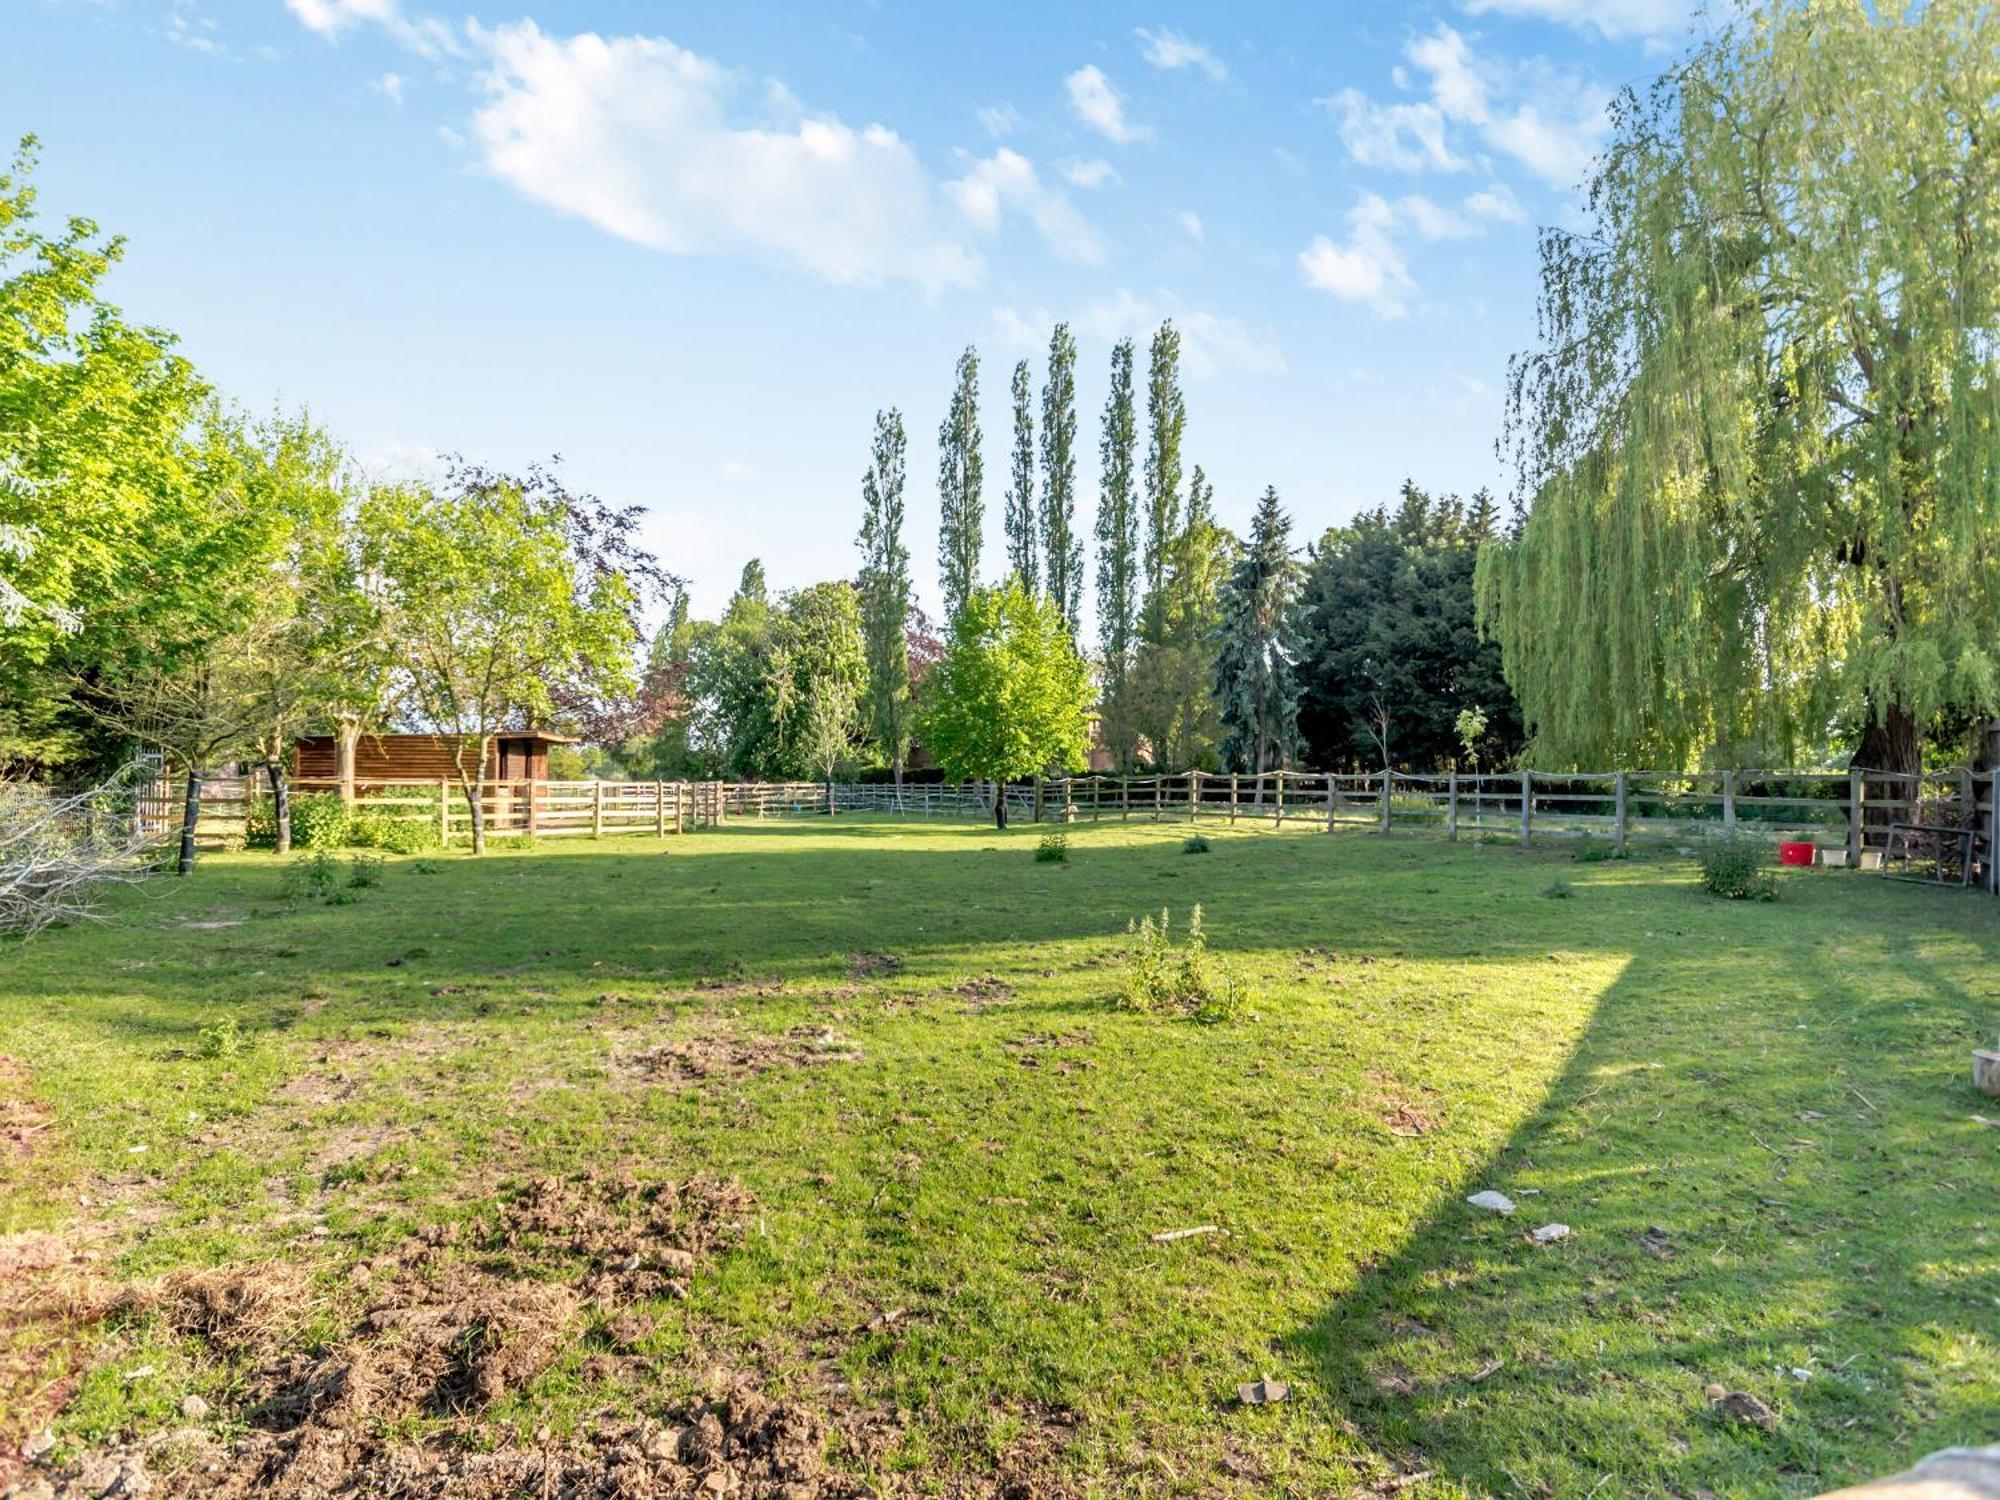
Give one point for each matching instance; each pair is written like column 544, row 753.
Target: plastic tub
column 1794, row 853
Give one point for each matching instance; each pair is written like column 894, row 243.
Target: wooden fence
column 1939, row 825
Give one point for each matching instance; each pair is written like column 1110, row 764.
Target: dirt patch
column 22, row 1120
column 874, row 965
column 1403, row 1111
column 1034, row 1051
column 255, row 1310
column 724, row 1054
column 982, row 992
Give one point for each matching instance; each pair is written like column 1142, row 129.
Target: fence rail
column 1944, row 824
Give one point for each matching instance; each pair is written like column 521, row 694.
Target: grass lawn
column 955, row 1152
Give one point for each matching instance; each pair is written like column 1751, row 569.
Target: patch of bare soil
column 874, row 965
column 986, row 990
column 1399, row 1108
column 1032, row 1051
column 725, row 1054
column 22, row 1121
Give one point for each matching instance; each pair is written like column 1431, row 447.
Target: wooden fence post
column 444, row 813
column 1279, row 820
column 1527, row 806
column 1232, row 796
column 1194, row 796
column 1159, row 796
column 1729, row 802
column 1096, row 798
column 1993, row 830
column 1387, row 781
column 1040, row 799
column 1124, row 799
column 596, row 809
column 1855, row 841
column 1451, row 807
column 1332, row 800
column 1618, row 827
column 659, row 809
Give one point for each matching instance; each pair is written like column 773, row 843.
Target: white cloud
column 736, row 471
column 1400, row 137
column 633, row 134
column 1367, row 267
column 1548, row 120
column 1293, row 164
column 390, row 86
column 425, row 36
column 1007, row 180
column 1170, row 49
column 1087, row 174
column 999, row 120
column 1191, row 226
column 1435, row 221
column 1212, row 344
column 193, row 31
column 1611, row 18
column 1498, row 204
column 1101, row 107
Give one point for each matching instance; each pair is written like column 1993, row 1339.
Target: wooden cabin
column 520, row 756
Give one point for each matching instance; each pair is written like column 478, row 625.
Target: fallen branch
column 58, row 852
column 1166, row 1235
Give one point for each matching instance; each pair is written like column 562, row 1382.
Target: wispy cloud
column 1610, row 18
column 1169, row 49
column 1006, row 180
column 1192, row 227
column 1102, row 107
column 999, row 120
column 1212, row 344
column 1087, row 174
column 426, row 36
column 1369, row 266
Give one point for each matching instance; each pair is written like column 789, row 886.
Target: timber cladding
column 420, row 757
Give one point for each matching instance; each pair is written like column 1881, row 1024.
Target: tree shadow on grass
column 1771, row 1183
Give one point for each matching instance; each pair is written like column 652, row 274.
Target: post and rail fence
column 1940, row 825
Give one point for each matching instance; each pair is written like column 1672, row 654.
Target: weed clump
column 393, row 835
column 1597, row 851
column 1054, row 848
column 1558, row 890
column 1736, row 868
column 1195, row 844
column 223, row 1039
column 1177, row 978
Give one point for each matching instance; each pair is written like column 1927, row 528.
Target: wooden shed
column 375, row 759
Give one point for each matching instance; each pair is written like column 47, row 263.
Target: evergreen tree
column 1389, row 648
column 961, row 470
column 1062, row 549
column 1172, row 690
column 1256, row 679
column 1166, row 416
column 1117, row 559
column 1023, row 547
column 885, row 594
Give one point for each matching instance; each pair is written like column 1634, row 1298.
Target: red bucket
column 1790, row 853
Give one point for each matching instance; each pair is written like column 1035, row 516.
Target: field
column 817, row 1160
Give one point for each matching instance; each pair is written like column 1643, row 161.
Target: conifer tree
column 884, row 588
column 1117, row 558
column 1062, row 549
column 961, row 513
column 1023, row 525
column 1256, row 677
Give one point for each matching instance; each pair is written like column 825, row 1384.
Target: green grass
column 1780, row 1089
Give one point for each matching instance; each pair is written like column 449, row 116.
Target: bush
column 1179, row 979
column 1737, row 868
column 364, row 870
column 1198, row 844
column 1054, row 848
column 313, row 876
column 395, row 835
column 320, row 820
column 223, row 1039
column 260, row 824
column 1596, row 851
column 1558, row 890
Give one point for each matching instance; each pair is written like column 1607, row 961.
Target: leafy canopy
column 1011, row 697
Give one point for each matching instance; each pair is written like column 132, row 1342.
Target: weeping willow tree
column 1760, row 434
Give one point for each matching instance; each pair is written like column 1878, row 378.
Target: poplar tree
column 1760, row 437
column 1256, row 677
column 1062, row 549
column 961, row 514
column 884, row 588
column 1117, row 557
column 1022, row 523
column 1172, row 690
column 1166, row 416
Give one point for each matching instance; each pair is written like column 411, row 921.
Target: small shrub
column 312, row 877
column 363, row 871
column 347, row 895
column 320, row 820
column 1054, row 848
column 1558, row 890
column 1179, row 979
column 1195, row 844
column 222, row 1039
column 1596, row 851
column 395, row 835
column 1737, row 868
column 260, row 824
column 428, row 867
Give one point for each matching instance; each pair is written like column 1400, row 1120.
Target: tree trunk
column 1890, row 742
column 281, row 804
column 475, row 798
column 344, row 744
column 190, row 816
column 897, row 771
column 1000, row 804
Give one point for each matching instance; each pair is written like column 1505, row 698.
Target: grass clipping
column 1163, row 976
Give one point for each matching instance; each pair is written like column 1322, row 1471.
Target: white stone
column 1548, row 1234
column 1500, row 1203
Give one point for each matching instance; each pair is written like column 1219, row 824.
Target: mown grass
column 957, row 1202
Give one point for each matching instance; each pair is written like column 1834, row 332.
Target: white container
column 1834, row 859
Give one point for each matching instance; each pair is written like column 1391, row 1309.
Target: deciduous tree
column 1023, row 521
column 886, row 594
column 961, row 473
column 1062, row 549
column 1117, row 560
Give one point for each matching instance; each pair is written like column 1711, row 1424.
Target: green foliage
column 1389, row 644
column 1011, row 698
column 885, row 594
column 221, row 1039
column 1558, row 890
column 1053, row 848
column 320, row 820
column 1166, row 420
column 1256, row 681
column 1738, row 867
column 1596, row 851
column 1117, row 560
column 364, row 871
column 961, row 512
column 1023, row 523
column 260, row 823
column 1177, row 978
column 397, row 835
column 1761, row 435
column 818, row 672
column 1062, row 548
column 313, row 876
column 1195, row 844
column 1171, row 689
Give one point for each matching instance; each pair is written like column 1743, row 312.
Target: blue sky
column 693, row 248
